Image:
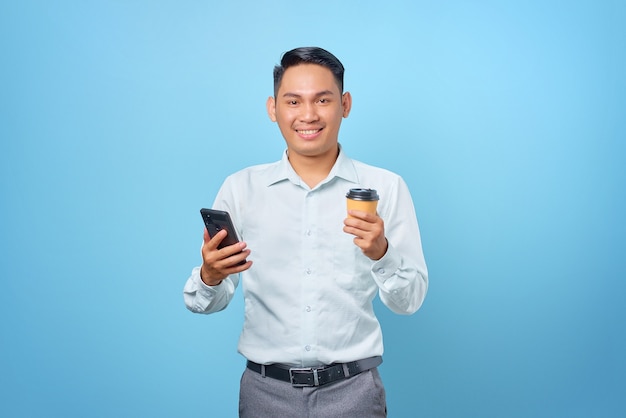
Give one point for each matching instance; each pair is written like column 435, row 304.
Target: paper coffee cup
column 362, row 199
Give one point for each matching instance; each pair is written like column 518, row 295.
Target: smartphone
column 215, row 221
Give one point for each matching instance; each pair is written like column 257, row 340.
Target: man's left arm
column 395, row 248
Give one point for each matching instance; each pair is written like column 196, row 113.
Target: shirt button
column 308, row 233
column 308, row 309
column 308, row 271
column 307, row 348
column 381, row 271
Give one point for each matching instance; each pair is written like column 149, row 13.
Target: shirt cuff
column 386, row 267
column 210, row 290
column 204, row 293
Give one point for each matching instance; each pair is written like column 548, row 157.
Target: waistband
column 314, row 376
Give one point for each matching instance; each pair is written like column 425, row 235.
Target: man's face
column 308, row 109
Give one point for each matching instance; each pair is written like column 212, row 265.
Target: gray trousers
column 361, row 396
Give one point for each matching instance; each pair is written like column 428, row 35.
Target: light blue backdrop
column 120, row 119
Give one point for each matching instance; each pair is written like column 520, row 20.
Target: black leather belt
column 314, row 376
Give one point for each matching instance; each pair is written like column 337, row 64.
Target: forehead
column 308, row 78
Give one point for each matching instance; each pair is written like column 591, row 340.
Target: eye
column 323, row 101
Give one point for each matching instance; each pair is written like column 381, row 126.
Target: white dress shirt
column 308, row 295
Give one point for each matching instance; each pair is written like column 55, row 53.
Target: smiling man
column 311, row 272
column 308, row 107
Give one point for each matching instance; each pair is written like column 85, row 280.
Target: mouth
column 308, row 133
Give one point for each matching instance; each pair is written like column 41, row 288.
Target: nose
column 309, row 113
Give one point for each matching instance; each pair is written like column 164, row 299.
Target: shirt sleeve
column 198, row 296
column 401, row 274
column 201, row 298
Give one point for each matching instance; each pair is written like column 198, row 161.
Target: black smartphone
column 215, row 221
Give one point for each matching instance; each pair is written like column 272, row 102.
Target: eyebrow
column 321, row 93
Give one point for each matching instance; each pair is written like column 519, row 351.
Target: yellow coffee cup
column 362, row 199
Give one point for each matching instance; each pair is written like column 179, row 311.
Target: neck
column 313, row 169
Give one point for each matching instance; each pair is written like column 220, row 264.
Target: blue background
column 120, row 119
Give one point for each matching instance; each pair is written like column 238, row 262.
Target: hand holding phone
column 215, row 221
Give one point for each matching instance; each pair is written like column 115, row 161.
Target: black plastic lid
column 362, row 194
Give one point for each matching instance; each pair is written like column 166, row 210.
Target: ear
column 346, row 103
column 271, row 108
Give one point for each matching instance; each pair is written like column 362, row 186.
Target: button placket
column 308, row 294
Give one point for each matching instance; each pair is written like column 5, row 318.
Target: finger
column 233, row 249
column 231, row 265
column 232, row 262
column 215, row 240
column 360, row 225
column 357, row 232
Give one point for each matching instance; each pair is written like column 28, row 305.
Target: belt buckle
column 316, row 381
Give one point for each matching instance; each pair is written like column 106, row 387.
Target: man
column 310, row 335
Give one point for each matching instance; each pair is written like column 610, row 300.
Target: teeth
column 309, row 131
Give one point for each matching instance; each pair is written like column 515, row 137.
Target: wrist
column 380, row 254
column 207, row 281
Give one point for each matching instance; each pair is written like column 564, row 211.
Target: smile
column 308, row 131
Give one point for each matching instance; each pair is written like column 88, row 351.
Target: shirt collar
column 343, row 168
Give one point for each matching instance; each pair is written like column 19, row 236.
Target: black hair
column 309, row 55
